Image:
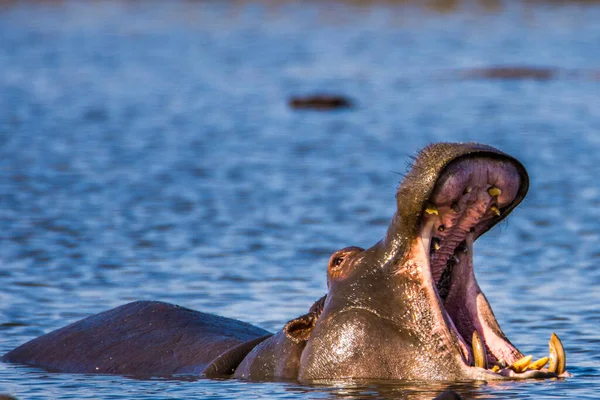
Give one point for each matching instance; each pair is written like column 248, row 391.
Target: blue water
column 147, row 152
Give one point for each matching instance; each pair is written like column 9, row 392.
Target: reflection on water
column 147, row 151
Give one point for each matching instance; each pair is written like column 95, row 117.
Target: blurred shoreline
column 439, row 6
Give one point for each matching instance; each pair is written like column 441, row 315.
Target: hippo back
column 144, row 338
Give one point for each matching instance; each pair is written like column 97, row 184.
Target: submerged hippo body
column 409, row 307
column 143, row 338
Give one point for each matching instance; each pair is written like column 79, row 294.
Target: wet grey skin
column 408, row 308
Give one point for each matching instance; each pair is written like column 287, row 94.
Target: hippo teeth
column 520, row 367
column 431, row 209
column 469, row 198
column 524, row 366
column 539, row 364
column 494, row 209
column 558, row 359
column 521, row 364
column 479, row 351
column 494, row 191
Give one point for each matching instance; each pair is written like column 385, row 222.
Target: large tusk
column 558, row 359
column 479, row 351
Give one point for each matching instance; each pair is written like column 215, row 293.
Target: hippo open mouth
column 470, row 195
column 468, row 198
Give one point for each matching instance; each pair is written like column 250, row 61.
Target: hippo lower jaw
column 467, row 200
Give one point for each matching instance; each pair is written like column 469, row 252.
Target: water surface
column 147, row 152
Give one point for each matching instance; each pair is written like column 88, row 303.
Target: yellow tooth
column 495, row 368
column 494, row 191
column 539, row 364
column 495, row 210
column 479, row 351
column 521, row 365
column 558, row 359
column 431, row 209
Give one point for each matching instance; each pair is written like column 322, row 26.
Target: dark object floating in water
column 320, row 102
column 511, row 73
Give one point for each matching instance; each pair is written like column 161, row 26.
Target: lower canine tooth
column 521, row 365
column 495, row 211
column 479, row 351
column 558, row 359
column 539, row 364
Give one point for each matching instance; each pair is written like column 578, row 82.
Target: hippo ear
column 298, row 330
column 318, row 306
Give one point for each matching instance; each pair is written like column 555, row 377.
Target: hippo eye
column 342, row 262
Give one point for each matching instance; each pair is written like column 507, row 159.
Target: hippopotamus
column 407, row 308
